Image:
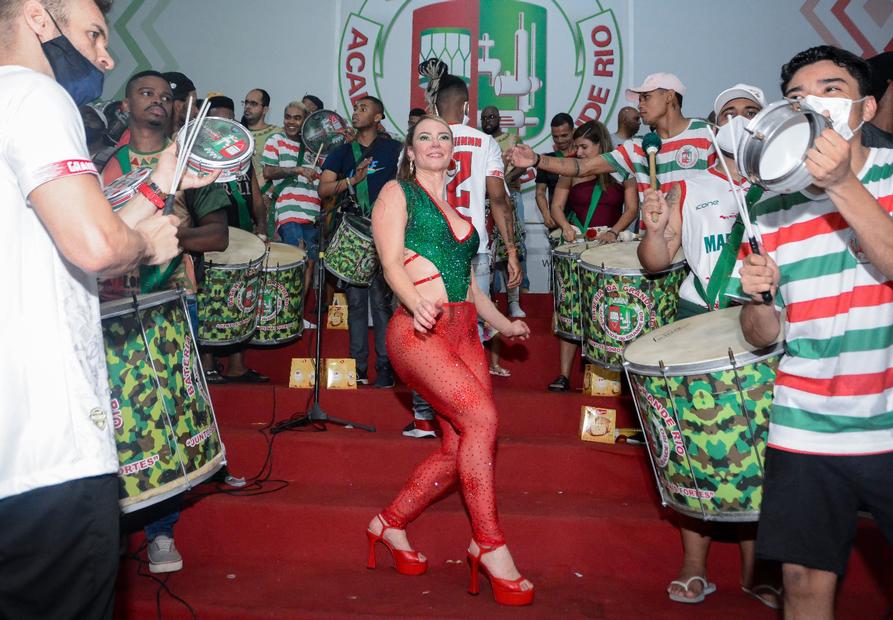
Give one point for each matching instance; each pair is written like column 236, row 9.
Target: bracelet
column 152, row 193
column 611, row 230
column 537, row 162
column 576, row 167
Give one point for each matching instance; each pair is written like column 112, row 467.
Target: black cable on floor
column 141, row 570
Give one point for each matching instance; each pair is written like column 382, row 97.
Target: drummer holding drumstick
column 827, row 259
column 697, row 215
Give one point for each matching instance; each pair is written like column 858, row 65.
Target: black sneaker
column 561, row 384
column 420, row 429
column 385, row 379
column 362, row 379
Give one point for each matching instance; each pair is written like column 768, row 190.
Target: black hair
column 377, row 103
column 451, row 87
column 417, row 112
column 140, row 75
column 678, row 99
column 318, row 102
column 854, row 65
column 264, row 97
column 562, row 118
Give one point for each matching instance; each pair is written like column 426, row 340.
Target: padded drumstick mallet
column 651, row 145
column 742, row 205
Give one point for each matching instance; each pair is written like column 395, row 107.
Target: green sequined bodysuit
column 428, row 232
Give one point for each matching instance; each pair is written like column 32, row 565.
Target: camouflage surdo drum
column 165, row 429
column 703, row 395
column 351, row 255
column 620, row 301
column 230, row 290
column 566, row 288
column 282, row 299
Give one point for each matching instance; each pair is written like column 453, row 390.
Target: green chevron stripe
column 132, row 46
column 148, row 28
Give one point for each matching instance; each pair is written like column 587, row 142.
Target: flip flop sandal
column 760, row 590
column 212, row 377
column 499, row 371
column 709, row 588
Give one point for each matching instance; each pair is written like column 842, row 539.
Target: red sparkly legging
column 447, row 367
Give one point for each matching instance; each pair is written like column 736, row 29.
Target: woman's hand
column 517, row 329
column 425, row 313
column 569, row 233
column 607, row 236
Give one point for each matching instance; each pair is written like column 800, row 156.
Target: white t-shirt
column 55, row 423
column 708, row 213
column 478, row 156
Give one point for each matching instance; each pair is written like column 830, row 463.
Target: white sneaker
column 163, row 555
column 515, row 310
column 309, row 324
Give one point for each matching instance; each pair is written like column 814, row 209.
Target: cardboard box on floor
column 341, row 373
column 302, row 373
column 600, row 381
column 337, row 315
column 597, row 424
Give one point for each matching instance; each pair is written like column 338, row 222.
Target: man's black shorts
column 811, row 503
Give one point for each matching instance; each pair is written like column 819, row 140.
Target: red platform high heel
column 405, row 562
column 505, row 591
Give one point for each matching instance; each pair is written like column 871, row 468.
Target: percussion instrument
column 122, row 189
column 323, row 132
column 228, row 296
column 566, row 288
column 351, row 255
column 772, row 151
column 703, row 396
column 166, row 433
column 620, row 301
column 282, row 298
column 556, row 238
column 221, row 144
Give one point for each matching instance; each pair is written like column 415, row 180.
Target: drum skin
column 150, row 381
column 282, row 301
column 351, row 255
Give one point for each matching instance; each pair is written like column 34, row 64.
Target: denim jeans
column 518, row 201
column 162, row 527
column 421, row 410
column 298, row 235
column 358, row 299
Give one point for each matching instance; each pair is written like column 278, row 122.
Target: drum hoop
column 284, row 266
column 630, row 272
column 696, row 368
column 347, row 222
column 147, row 300
column 204, row 472
column 253, row 264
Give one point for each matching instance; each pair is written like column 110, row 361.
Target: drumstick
column 742, row 208
column 651, row 144
column 189, row 138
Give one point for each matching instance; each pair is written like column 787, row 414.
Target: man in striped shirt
column 686, row 146
column 828, row 262
column 293, row 173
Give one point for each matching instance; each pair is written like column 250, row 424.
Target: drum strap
column 722, row 271
column 593, row 204
column 363, row 186
column 123, row 157
column 245, row 220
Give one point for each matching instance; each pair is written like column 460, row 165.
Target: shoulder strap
column 123, row 157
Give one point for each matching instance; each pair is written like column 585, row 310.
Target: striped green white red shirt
column 298, row 201
column 834, row 388
column 679, row 156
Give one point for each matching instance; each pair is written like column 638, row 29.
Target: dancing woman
column 426, row 249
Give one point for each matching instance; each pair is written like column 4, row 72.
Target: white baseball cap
column 667, row 81
column 739, row 91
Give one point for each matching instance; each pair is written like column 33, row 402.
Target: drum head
column 320, row 130
column 698, row 343
column 120, row 307
column 574, row 249
column 784, row 151
column 243, row 248
column 620, row 258
column 220, row 143
column 283, row 254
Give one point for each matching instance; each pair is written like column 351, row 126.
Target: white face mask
column 729, row 135
column 838, row 108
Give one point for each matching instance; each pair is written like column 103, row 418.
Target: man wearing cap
column 697, row 214
column 688, row 149
column 182, row 88
column 879, row 132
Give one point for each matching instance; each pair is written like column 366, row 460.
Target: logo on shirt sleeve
column 65, row 168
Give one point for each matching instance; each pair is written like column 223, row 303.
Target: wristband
column 537, row 162
column 152, row 193
column 611, row 230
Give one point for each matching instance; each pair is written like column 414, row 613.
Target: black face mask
column 73, row 71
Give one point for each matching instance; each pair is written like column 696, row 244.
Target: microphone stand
column 316, row 415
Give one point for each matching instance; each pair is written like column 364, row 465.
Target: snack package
column 341, row 374
column 302, row 373
column 337, row 316
column 597, row 424
column 600, row 381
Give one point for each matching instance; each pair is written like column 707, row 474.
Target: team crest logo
column 855, row 248
column 658, row 442
column 498, row 48
column 621, row 320
column 687, row 156
column 244, row 296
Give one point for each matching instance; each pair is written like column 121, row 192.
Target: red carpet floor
column 583, row 520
